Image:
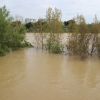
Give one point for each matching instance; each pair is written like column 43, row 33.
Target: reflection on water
column 93, row 73
column 12, row 68
column 29, row 74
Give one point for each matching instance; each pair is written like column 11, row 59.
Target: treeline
column 47, row 33
column 83, row 39
column 12, row 33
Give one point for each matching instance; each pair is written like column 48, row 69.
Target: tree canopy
column 12, row 34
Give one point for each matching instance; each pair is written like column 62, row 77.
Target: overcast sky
column 69, row 8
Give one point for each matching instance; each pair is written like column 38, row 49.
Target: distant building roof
column 27, row 20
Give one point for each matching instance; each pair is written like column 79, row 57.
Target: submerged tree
column 95, row 40
column 53, row 18
column 79, row 40
column 40, row 29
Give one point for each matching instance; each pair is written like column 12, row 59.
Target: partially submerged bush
column 54, row 47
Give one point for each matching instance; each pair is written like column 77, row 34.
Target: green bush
column 12, row 34
column 54, row 47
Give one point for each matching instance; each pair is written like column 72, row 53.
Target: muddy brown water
column 29, row 74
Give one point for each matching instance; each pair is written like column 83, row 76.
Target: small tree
column 79, row 40
column 40, row 29
column 29, row 26
column 95, row 40
column 53, row 18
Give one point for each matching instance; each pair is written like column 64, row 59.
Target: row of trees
column 83, row 39
column 47, row 33
column 12, row 33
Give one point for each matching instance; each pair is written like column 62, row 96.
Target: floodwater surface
column 29, row 74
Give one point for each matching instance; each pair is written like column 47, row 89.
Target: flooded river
column 29, row 74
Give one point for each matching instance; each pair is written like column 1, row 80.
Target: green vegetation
column 12, row 34
column 84, row 36
column 79, row 40
column 55, row 28
column 83, row 39
column 95, row 37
